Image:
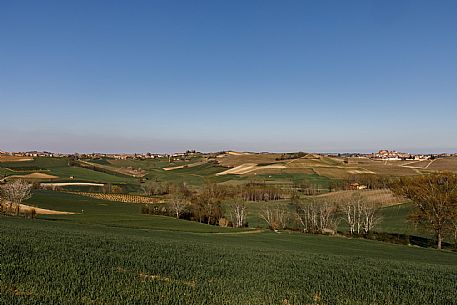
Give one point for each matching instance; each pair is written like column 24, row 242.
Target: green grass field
column 107, row 213
column 68, row 262
column 59, row 167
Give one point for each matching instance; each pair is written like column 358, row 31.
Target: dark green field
column 73, row 263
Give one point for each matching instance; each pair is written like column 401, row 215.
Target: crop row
column 127, row 198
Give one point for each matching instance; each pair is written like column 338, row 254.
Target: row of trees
column 323, row 217
column 252, row 191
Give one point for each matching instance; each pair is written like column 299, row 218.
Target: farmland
column 155, row 266
column 101, row 249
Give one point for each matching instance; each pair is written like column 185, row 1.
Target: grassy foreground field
column 68, row 263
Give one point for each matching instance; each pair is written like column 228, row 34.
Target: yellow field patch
column 33, row 176
column 383, row 197
column 4, row 158
column 23, row 208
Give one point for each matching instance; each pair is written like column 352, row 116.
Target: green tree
column 435, row 200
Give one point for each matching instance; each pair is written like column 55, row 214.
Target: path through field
column 430, row 163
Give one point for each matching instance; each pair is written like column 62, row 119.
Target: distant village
column 119, row 156
column 392, row 155
column 386, row 155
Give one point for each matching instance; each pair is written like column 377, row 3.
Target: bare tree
column 360, row 213
column 317, row 217
column 178, row 204
column 239, row 214
column 276, row 217
column 16, row 192
column 352, row 211
column 370, row 216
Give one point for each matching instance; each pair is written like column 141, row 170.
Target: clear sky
column 162, row 76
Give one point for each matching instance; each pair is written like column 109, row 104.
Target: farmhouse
column 357, row 186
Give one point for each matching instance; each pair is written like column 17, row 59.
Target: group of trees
column 361, row 216
column 203, row 206
column 288, row 156
column 323, row 217
column 12, row 194
column 371, row 181
column 260, row 192
column 317, row 217
column 310, row 189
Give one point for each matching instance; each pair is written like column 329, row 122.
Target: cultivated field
column 127, row 198
column 167, row 266
column 4, row 158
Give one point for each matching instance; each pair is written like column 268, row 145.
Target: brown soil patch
column 184, row 166
column 23, row 208
column 383, row 197
column 14, row 159
column 32, row 176
column 444, row 164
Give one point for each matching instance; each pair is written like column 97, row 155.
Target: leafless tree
column 352, row 211
column 239, row 214
column 276, row 217
column 16, row 192
column 370, row 216
column 360, row 214
column 317, row 217
column 178, row 204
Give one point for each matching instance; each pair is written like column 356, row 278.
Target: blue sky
column 164, row 76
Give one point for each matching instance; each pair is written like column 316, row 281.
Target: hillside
column 90, row 232
column 166, row 262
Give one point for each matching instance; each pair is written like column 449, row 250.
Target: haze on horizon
column 163, row 76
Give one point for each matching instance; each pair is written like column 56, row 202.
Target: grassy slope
column 98, row 257
column 394, row 218
column 108, row 213
column 68, row 263
column 59, row 167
